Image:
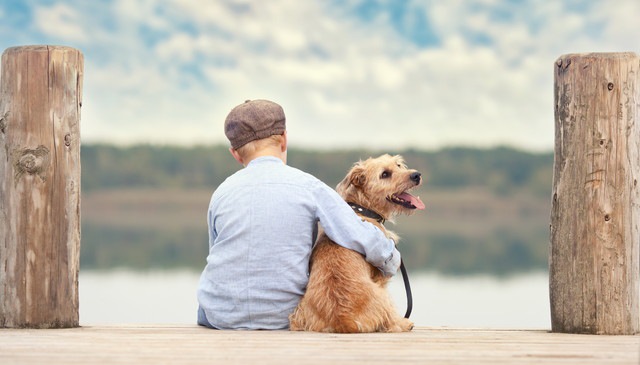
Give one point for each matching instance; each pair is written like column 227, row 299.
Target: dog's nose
column 415, row 177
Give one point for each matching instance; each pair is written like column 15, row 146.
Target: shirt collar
column 264, row 159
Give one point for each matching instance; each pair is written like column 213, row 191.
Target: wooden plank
column 595, row 236
column 40, row 98
column 190, row 344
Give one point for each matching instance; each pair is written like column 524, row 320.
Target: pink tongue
column 413, row 199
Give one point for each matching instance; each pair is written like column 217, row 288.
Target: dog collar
column 359, row 209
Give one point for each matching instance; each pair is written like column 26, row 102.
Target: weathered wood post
column 594, row 255
column 40, row 99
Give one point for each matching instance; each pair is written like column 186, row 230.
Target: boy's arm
column 348, row 230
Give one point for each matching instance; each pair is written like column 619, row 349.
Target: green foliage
column 502, row 170
column 112, row 167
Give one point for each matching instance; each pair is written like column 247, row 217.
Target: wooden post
column 594, row 255
column 40, row 99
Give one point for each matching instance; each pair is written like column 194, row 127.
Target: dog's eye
column 385, row 175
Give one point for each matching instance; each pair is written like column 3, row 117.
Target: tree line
column 502, row 170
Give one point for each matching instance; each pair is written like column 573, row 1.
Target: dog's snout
column 415, row 177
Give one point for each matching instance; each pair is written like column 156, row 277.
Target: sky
column 377, row 74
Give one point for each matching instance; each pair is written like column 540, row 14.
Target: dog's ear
column 355, row 177
column 359, row 178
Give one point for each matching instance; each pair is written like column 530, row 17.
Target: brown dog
column 345, row 293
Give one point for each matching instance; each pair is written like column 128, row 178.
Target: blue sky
column 372, row 73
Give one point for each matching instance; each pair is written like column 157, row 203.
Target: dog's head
column 382, row 184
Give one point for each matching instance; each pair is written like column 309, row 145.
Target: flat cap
column 252, row 120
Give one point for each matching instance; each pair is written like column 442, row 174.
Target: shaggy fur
column 345, row 293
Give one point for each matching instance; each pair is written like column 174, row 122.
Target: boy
column 263, row 223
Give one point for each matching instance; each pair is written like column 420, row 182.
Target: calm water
column 169, row 297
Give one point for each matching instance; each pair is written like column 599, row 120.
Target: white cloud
column 180, row 47
column 169, row 71
column 60, row 20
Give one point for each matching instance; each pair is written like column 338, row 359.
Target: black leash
column 359, row 209
column 407, row 288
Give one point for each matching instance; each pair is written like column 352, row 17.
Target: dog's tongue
column 413, row 200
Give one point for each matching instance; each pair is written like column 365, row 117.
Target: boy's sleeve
column 348, row 230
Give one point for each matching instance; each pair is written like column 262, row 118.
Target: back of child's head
column 254, row 120
column 260, row 144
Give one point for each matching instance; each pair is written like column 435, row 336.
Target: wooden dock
column 190, row 344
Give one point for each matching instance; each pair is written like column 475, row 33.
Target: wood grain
column 594, row 256
column 190, row 344
column 40, row 99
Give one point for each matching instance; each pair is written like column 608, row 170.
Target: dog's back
column 343, row 294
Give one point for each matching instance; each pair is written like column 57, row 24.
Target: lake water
column 519, row 302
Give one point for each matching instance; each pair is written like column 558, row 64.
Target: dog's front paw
column 406, row 325
column 402, row 325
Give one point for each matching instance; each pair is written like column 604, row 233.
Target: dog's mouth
column 406, row 200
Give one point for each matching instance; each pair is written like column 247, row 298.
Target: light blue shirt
column 262, row 225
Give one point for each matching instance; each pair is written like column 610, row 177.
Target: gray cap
column 252, row 120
